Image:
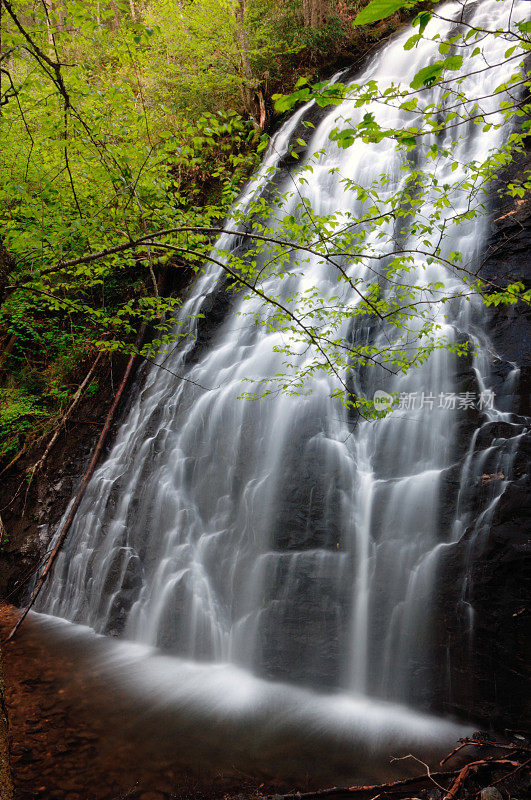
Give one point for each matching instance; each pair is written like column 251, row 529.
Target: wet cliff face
column 475, row 664
column 482, row 643
column 31, row 510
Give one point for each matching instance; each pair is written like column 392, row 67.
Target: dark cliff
column 482, row 645
column 476, row 666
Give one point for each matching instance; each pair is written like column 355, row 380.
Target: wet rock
column 304, row 620
column 490, row 793
column 214, row 308
column 504, row 380
column 492, row 431
column 450, row 482
column 481, row 647
column 482, row 616
column 125, row 572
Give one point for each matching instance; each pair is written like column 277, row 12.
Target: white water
column 223, row 718
column 274, row 535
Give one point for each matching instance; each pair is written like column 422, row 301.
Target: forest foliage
column 119, row 118
column 128, row 130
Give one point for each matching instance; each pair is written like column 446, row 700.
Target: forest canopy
column 128, row 130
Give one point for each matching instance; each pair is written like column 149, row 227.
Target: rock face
column 481, row 653
column 32, row 510
column 476, row 666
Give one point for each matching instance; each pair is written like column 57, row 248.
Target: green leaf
column 422, row 21
column 427, row 75
column 453, row 62
column 412, row 41
column 379, row 9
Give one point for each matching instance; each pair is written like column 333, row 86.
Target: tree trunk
column 47, row 12
column 59, row 13
column 306, row 14
column 115, row 25
column 254, row 92
column 245, row 64
column 314, row 13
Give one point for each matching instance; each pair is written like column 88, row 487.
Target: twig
column 14, row 459
column 406, row 788
column 484, row 743
column 402, row 788
column 428, row 772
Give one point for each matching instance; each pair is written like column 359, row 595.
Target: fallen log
column 402, row 788
column 60, row 425
column 63, row 533
column 64, row 419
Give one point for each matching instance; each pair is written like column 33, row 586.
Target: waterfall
column 282, row 535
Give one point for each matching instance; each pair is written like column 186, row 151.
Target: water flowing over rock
column 384, row 557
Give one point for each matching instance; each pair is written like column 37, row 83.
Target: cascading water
column 275, row 534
